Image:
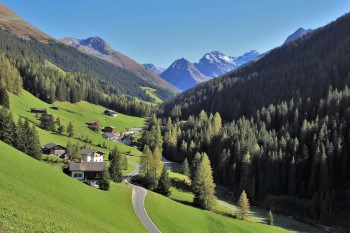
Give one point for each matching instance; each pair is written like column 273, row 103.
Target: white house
column 90, row 155
column 89, row 172
column 111, row 136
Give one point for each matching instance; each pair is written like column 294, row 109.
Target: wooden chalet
column 110, row 113
column 109, row 129
column 38, row 110
column 88, row 172
column 54, row 149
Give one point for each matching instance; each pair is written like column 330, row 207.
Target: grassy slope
column 35, row 197
column 171, row 216
column 78, row 114
column 151, row 93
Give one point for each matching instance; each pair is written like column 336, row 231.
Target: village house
column 38, row 110
column 91, row 155
column 94, row 125
column 110, row 113
column 111, row 136
column 54, row 107
column 109, row 129
column 127, row 141
column 54, row 149
column 88, row 172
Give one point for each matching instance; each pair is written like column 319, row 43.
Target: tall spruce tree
column 104, row 182
column 115, row 168
column 164, row 183
column 4, row 97
column 185, row 169
column 70, row 129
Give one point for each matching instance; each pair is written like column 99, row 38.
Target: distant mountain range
column 97, row 47
column 183, row 74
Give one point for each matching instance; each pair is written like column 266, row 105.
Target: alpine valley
column 93, row 141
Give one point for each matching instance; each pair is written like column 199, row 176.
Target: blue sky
column 162, row 31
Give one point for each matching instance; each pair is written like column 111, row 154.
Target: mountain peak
column 156, row 69
column 297, row 34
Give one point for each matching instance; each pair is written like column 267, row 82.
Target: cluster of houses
column 88, row 170
column 91, row 165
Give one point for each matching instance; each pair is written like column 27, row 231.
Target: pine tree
column 4, row 98
column 124, row 162
column 34, row 147
column 164, row 183
column 69, row 150
column 115, row 168
column 70, row 129
column 195, row 163
column 203, row 185
column 185, row 169
column 270, row 220
column 77, row 153
column 47, row 122
column 60, row 129
column 244, row 205
column 104, row 183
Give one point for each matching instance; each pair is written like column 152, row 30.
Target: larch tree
column 270, row 220
column 4, row 98
column 244, row 205
column 203, row 185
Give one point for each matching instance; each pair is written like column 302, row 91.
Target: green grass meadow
column 78, row 113
column 38, row 197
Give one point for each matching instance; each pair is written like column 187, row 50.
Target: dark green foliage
column 185, row 169
column 164, row 183
column 4, row 97
column 116, row 165
column 301, row 69
column 47, row 122
column 70, row 129
column 270, row 220
column 104, row 183
column 203, row 184
column 9, row 76
column 86, row 78
column 23, row 136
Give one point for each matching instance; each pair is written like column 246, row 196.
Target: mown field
column 171, row 216
column 78, row 113
column 37, row 197
column 151, row 93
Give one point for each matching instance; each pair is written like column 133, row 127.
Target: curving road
column 138, row 201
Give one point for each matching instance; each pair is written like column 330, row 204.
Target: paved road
column 138, row 201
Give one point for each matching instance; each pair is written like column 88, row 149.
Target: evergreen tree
column 69, row 150
column 124, row 162
column 270, row 220
column 244, row 205
column 115, row 168
column 4, row 98
column 77, row 153
column 104, row 183
column 34, row 146
column 70, row 129
column 203, row 184
column 164, row 183
column 47, row 122
column 185, row 169
column 60, row 129
column 195, row 163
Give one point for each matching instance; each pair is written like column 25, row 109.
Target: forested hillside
column 74, row 76
column 278, row 128
column 304, row 68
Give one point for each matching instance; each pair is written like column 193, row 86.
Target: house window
column 77, row 175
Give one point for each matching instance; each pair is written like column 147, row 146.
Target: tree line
column 293, row 149
column 21, row 135
column 84, row 78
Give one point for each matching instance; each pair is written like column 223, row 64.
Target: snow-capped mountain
column 214, row 64
column 297, row 34
column 156, row 69
column 183, row 74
